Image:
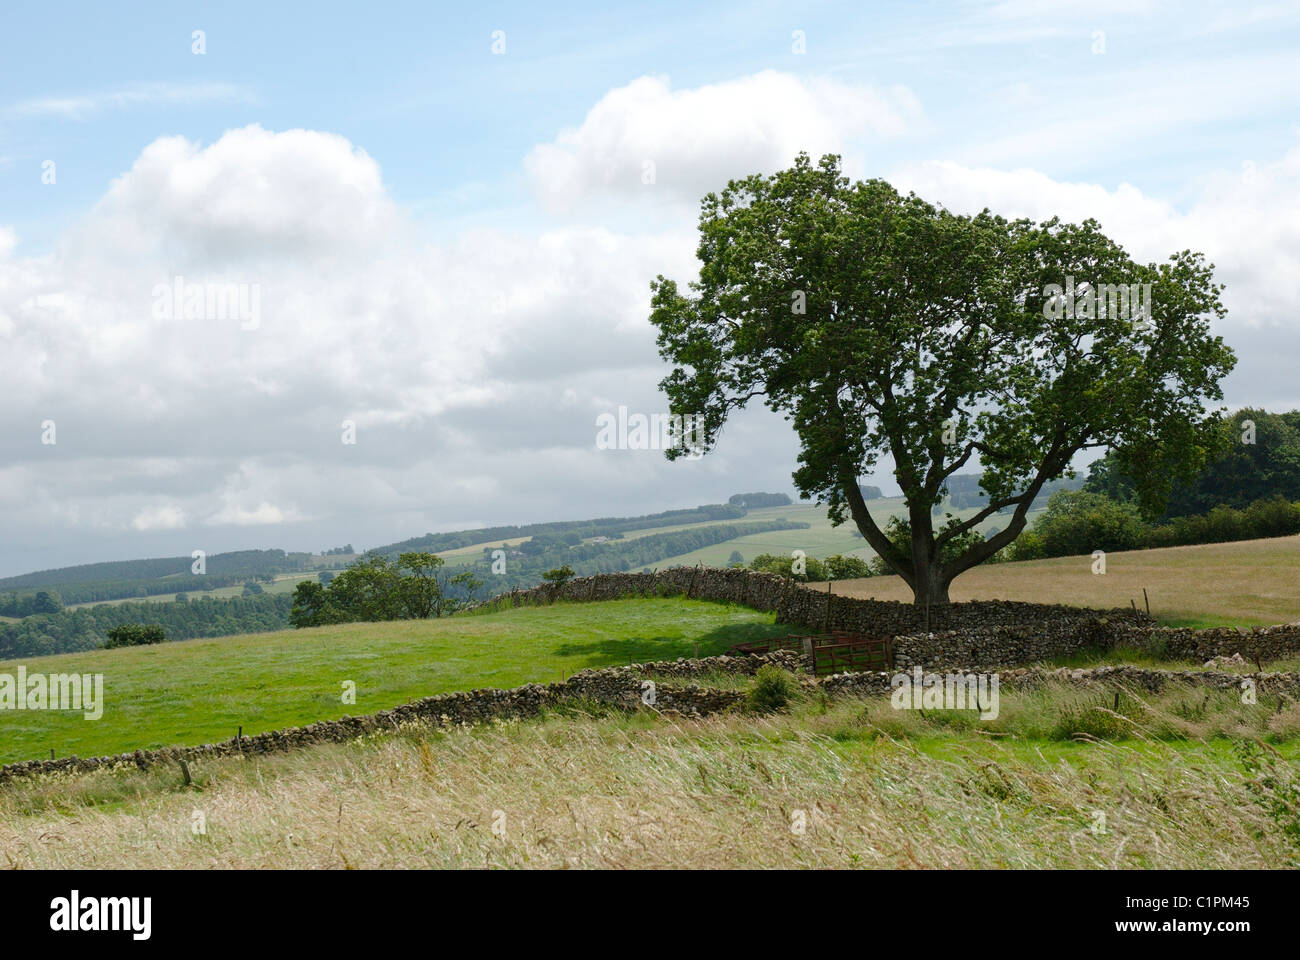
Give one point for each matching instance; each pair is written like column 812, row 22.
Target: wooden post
column 185, row 769
column 51, row 753
column 1147, row 600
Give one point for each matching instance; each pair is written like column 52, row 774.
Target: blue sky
column 418, row 89
column 455, row 245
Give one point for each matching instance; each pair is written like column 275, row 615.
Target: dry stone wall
column 1025, row 678
column 797, row 604
column 990, row 632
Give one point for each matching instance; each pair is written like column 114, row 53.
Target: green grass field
column 199, row 691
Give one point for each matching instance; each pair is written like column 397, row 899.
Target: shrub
column 559, row 576
column 1077, row 522
column 814, row 569
column 773, row 689
column 134, row 635
column 840, row 567
column 1111, row 720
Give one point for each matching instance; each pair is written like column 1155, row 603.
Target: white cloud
column 464, row 364
column 1246, row 222
column 166, row 517
column 698, row 139
column 264, row 514
column 80, row 106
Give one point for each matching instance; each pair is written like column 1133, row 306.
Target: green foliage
column 839, row 567
column 756, row 501
column 86, row 628
column 1273, row 786
column 898, row 530
column 1237, row 474
column 878, row 323
column 1080, row 522
column 134, row 635
column 785, row 567
column 773, row 689
column 559, row 576
column 375, row 588
column 1108, row 720
column 115, row 580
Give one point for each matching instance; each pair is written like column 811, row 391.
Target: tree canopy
column 881, row 325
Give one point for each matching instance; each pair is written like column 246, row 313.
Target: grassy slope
column 1249, row 583
column 197, row 691
column 284, row 583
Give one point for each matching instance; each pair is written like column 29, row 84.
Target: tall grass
column 849, row 783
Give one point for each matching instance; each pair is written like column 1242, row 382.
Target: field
column 1062, row 777
column 849, row 784
column 284, row 583
column 819, row 540
column 1248, row 583
column 199, row 691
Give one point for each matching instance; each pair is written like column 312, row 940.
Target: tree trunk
column 931, row 586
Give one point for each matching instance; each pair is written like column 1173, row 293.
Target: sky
column 444, row 224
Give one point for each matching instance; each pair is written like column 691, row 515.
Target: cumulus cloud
column 466, row 366
column 683, row 143
column 1246, row 222
column 165, row 517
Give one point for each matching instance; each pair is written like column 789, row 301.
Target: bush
column 1079, row 523
column 1112, row 720
column 840, row 567
column 559, row 576
column 814, row 569
column 773, row 689
column 134, row 635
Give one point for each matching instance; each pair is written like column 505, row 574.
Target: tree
column 559, row 576
column 1256, row 456
column 883, row 326
column 46, row 602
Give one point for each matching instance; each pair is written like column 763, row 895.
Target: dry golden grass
column 641, row 791
column 1248, row 583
